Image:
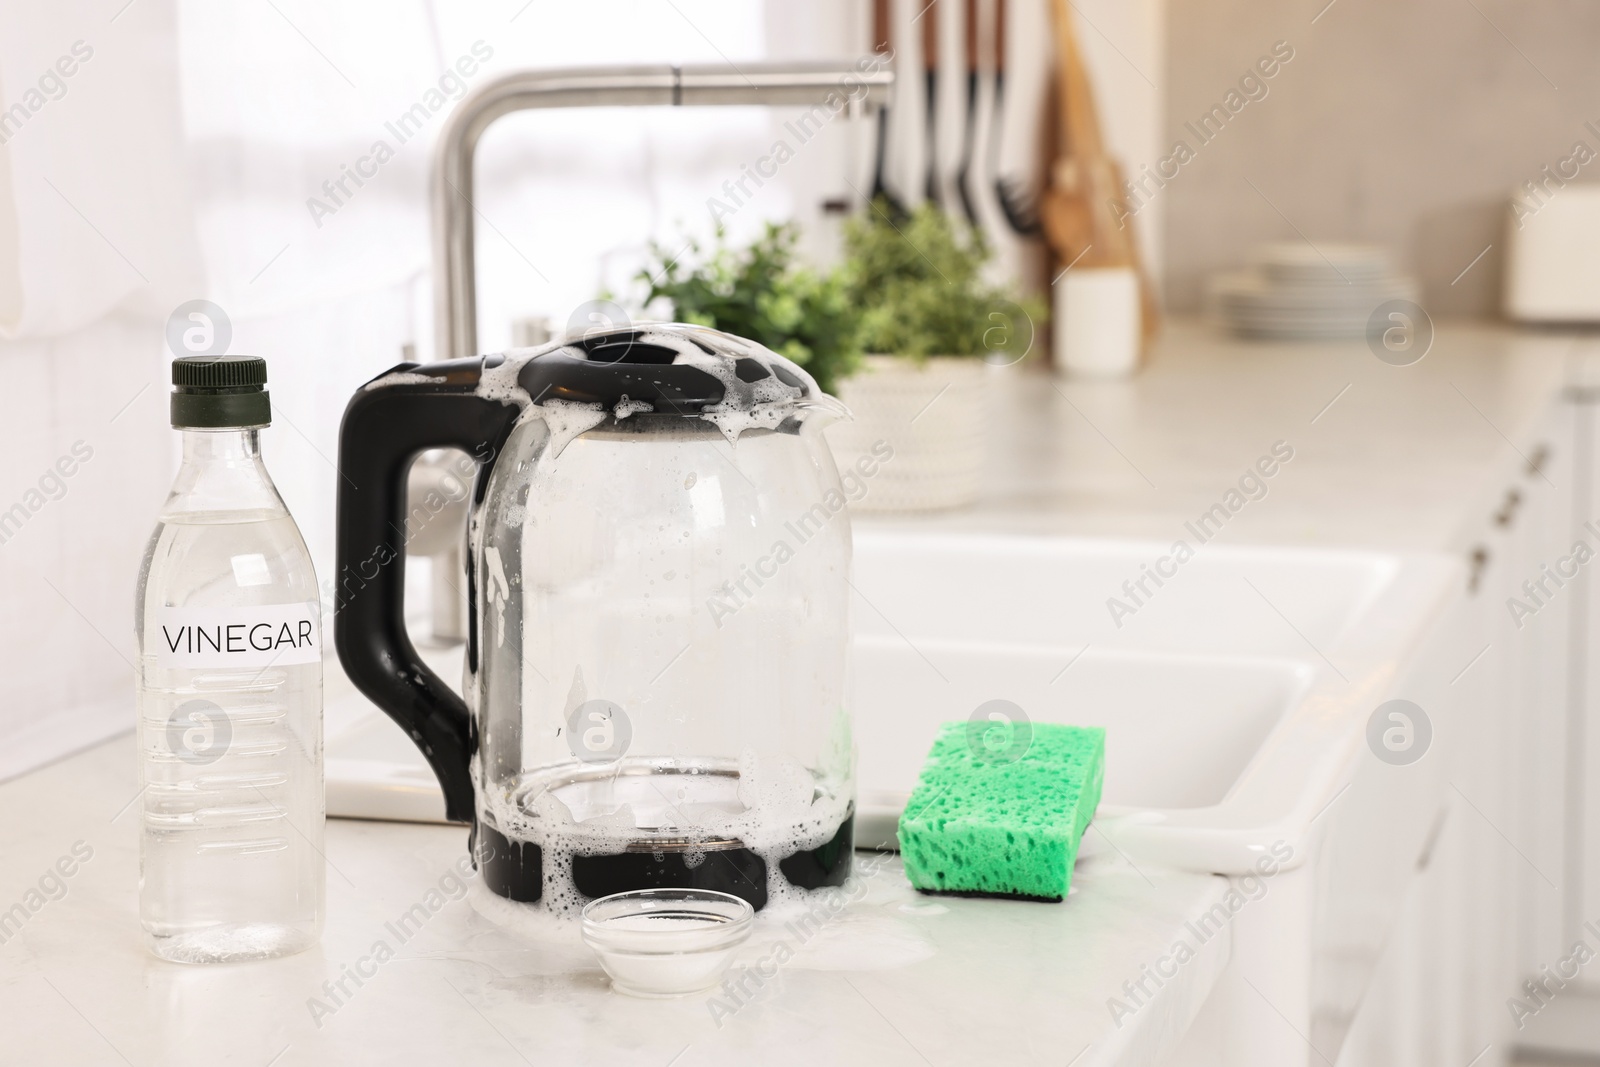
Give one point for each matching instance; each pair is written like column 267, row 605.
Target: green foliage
column 911, row 287
column 919, row 282
column 760, row 293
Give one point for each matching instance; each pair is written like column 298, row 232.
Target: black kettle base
column 515, row 869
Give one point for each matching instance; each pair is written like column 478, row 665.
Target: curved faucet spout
column 837, row 86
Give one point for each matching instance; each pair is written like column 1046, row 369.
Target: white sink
column 1234, row 697
column 1180, row 728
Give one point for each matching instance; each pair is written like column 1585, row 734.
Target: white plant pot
column 929, row 418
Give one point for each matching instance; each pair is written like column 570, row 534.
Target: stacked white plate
column 1304, row 292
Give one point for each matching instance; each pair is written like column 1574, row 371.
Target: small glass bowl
column 666, row 942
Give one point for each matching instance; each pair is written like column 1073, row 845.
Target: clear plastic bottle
column 230, row 692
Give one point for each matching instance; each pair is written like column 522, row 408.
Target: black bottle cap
column 219, row 392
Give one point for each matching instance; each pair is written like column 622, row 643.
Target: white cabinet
column 1511, row 866
column 1544, row 578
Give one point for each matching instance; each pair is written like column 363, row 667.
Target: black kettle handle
column 404, row 411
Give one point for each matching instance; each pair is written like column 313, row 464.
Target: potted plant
column 762, row 294
column 935, row 329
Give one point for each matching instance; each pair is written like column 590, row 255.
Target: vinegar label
column 265, row 635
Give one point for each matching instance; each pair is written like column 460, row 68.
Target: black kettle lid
column 674, row 368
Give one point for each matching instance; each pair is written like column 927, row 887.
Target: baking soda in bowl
column 666, row 942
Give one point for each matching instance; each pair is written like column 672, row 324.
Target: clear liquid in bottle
column 230, row 714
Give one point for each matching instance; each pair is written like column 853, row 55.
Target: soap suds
column 626, row 407
column 785, row 810
column 567, row 421
column 500, row 383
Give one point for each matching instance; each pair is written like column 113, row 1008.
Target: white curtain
column 97, row 245
column 286, row 104
column 176, row 161
column 94, row 203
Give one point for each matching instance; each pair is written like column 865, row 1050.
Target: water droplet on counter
column 924, row 908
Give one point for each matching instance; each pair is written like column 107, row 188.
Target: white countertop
column 1394, row 463
column 897, row 978
column 1401, row 459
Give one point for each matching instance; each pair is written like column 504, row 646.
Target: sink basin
column 1234, row 694
column 1180, row 729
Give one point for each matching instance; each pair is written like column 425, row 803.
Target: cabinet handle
column 1508, row 508
column 1477, row 564
column 1536, row 461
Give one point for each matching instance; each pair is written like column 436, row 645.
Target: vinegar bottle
column 228, row 629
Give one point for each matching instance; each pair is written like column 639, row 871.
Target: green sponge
column 1005, row 824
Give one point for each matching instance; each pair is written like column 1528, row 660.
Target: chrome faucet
column 860, row 86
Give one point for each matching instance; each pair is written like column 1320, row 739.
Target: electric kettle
column 658, row 575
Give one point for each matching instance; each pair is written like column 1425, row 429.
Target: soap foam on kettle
column 762, row 404
column 784, row 812
column 500, row 383
column 567, row 421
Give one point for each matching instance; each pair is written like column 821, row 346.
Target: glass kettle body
column 656, row 672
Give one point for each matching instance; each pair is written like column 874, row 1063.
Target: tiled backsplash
column 1407, row 124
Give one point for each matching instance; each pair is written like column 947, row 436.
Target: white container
column 1098, row 328
column 1553, row 256
column 919, row 436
